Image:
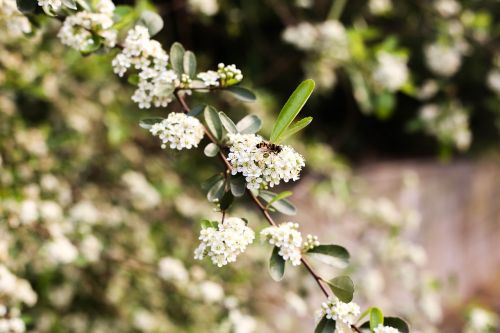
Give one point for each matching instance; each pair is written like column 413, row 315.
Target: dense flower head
column 10, row 320
column 225, row 76
column 15, row 22
column 178, row 131
column 81, row 30
column 339, row 311
column 263, row 165
column 391, row 71
column 288, row 238
column 225, row 241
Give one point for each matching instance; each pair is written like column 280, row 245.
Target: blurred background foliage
column 90, row 205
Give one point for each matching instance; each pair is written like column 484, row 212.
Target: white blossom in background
column 178, row 131
column 332, row 40
column 380, row 7
column 302, row 35
column 28, row 212
column 481, row 320
column 16, row 23
column 15, row 288
column 342, row 313
column 205, row 7
column 443, row 60
column 448, row 123
column 61, row 251
column 144, row 195
column 447, row 8
column 81, row 30
column 385, row 329
column 84, row 212
column 493, row 80
column 91, row 248
column 428, row 90
column 391, row 71
column 225, row 242
column 242, row 323
column 172, row 269
column 262, row 166
column 288, row 238
column 211, row 292
column 10, row 320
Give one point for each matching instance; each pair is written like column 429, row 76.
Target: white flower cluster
column 16, row 23
column 288, row 238
column 156, row 82
column 443, row 60
column 261, row 164
column 385, row 329
column 178, row 131
column 15, row 288
column 391, row 71
column 380, row 7
column 226, row 75
column 339, row 311
column 493, row 80
column 10, row 321
column 172, row 269
column 224, row 242
column 61, row 251
column 310, row 243
column 84, row 29
column 447, row 8
column 448, row 123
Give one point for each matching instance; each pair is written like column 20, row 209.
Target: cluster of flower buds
column 225, row 76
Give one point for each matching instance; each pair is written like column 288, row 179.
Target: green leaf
column 189, row 64
column 196, row 110
column 250, row 124
column 226, row 201
column 242, row 93
column 26, row 6
column 336, row 251
column 133, row 79
column 376, row 318
column 93, row 46
column 177, row 57
column 384, row 104
column 71, row 4
column 207, row 184
column 227, row 123
column 283, row 206
column 205, row 224
column 276, row 265
column 299, row 125
column 237, row 184
column 325, row 326
column 152, row 21
column 216, row 192
column 291, row 109
column 213, row 121
column 147, row 123
column 211, row 150
column 278, row 197
column 343, row 288
column 397, row 323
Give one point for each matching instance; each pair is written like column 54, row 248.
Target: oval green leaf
column 250, row 124
column 241, row 93
column 227, row 123
column 213, row 121
column 238, row 186
column 336, row 251
column 283, row 206
column 343, row 288
column 276, row 265
column 325, row 326
column 292, row 108
column 152, row 21
column 211, row 150
column 189, row 64
column 177, row 57
column 376, row 318
column 147, row 123
column 216, row 192
column 299, row 125
column 196, row 110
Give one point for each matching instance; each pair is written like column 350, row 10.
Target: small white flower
column 339, row 311
column 209, row 78
column 178, row 131
column 443, row 60
column 171, row 269
column 288, row 238
column 225, row 242
column 385, row 329
column 262, row 166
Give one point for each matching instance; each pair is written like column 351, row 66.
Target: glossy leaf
column 227, row 123
column 336, row 251
column 216, row 192
column 291, row 109
column 71, row 4
column 238, row 185
column 250, row 124
column 299, row 125
column 241, row 93
column 226, row 200
column 213, row 121
column 279, row 196
column 207, row 184
column 325, row 326
column 177, row 57
column 276, row 265
column 196, row 110
column 211, row 150
column 147, row 123
column 343, row 288
column 283, row 206
column 152, row 21
column 189, row 64
column 397, row 323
